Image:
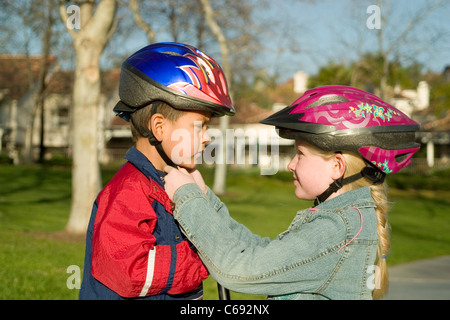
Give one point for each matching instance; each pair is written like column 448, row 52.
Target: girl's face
column 313, row 173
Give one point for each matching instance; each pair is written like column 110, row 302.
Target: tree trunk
column 220, row 172
column 86, row 171
column 89, row 42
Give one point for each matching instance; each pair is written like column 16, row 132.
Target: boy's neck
column 151, row 153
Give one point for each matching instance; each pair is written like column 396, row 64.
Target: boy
column 134, row 248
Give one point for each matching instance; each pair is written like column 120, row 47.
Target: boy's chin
column 187, row 166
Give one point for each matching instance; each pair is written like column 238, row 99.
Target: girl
column 347, row 140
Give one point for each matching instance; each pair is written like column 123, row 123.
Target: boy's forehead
column 193, row 116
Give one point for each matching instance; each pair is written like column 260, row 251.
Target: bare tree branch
column 134, row 7
column 65, row 17
column 413, row 23
column 217, row 32
column 221, row 169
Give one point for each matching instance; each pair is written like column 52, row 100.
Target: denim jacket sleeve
column 300, row 259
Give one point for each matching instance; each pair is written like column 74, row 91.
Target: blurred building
column 25, row 131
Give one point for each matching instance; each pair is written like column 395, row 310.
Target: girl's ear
column 338, row 166
column 156, row 125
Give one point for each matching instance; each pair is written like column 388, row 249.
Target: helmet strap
column 373, row 174
column 156, row 143
column 161, row 152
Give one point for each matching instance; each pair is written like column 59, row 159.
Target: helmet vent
column 402, row 157
column 173, row 53
column 328, row 99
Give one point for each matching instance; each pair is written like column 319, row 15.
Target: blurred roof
column 18, row 72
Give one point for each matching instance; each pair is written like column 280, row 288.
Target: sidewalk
column 420, row 280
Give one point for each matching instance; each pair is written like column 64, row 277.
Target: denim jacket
column 317, row 257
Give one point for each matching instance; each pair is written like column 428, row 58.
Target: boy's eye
column 199, row 127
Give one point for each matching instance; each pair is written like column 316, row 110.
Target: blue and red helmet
column 177, row 74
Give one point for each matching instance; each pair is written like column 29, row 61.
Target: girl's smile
column 313, row 173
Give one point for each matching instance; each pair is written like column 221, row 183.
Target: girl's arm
column 297, row 260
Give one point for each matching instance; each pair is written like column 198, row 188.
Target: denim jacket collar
column 144, row 165
column 346, row 199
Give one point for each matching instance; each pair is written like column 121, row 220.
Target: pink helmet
column 340, row 118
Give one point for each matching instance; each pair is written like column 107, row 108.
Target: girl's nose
column 291, row 165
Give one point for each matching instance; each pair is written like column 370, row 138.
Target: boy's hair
column 140, row 119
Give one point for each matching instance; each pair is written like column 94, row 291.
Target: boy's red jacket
column 137, row 248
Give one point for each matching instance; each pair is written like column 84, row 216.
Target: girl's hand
column 176, row 178
column 199, row 180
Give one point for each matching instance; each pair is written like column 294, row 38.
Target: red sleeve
column 124, row 255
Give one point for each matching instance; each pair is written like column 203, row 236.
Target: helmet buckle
column 375, row 175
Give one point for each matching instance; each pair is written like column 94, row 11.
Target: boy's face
column 184, row 139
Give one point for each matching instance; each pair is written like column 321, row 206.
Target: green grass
column 35, row 204
column 420, row 223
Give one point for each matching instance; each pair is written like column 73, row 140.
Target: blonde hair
column 354, row 164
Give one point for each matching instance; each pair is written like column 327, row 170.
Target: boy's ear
column 338, row 166
column 156, row 125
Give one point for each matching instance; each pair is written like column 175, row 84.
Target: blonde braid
column 354, row 164
column 379, row 194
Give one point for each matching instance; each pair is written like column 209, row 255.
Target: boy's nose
column 206, row 138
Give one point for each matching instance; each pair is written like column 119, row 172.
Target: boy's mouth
column 198, row 155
